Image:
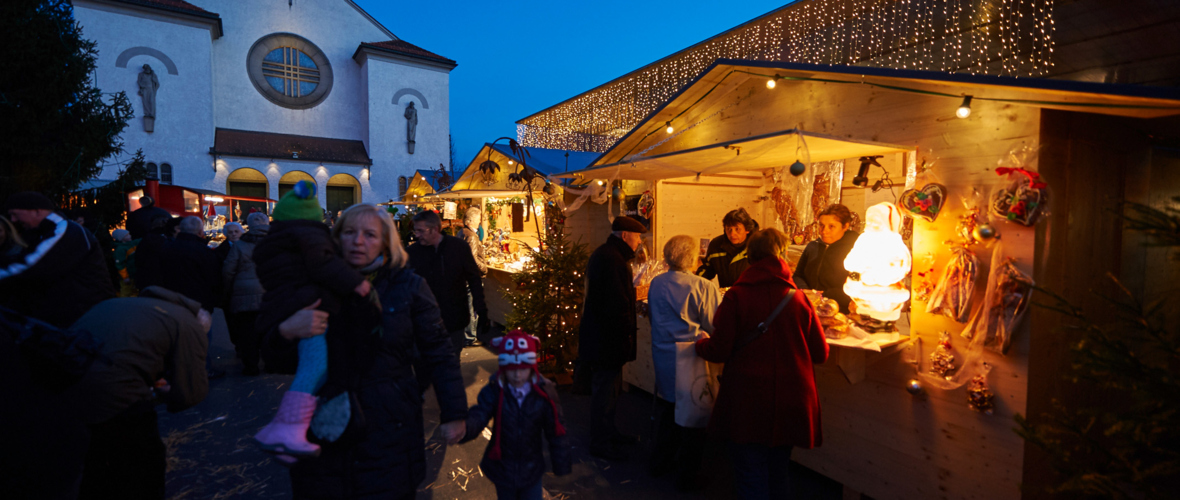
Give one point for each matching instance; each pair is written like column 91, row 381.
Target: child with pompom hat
column 299, row 265
column 525, row 407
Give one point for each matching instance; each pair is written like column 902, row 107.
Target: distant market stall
column 982, row 182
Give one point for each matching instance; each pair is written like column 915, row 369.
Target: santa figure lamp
column 878, row 263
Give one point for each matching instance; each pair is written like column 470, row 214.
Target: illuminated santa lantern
column 878, row 263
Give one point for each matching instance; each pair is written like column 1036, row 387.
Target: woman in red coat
column 767, row 403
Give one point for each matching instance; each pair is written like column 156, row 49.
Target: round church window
column 289, row 70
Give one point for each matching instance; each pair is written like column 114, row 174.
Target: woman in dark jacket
column 767, row 402
column 240, row 280
column 822, row 265
column 382, row 452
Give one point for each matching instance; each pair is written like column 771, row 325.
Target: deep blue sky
column 519, row 57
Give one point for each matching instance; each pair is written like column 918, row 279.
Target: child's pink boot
column 287, row 433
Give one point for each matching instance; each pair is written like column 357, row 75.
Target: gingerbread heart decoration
column 925, row 203
column 1021, row 204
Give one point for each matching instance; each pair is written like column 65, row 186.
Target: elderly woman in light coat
column 682, row 306
column 245, row 292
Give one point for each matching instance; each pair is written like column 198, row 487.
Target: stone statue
column 148, row 84
column 411, row 125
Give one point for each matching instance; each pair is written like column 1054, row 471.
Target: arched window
column 165, row 173
column 152, row 172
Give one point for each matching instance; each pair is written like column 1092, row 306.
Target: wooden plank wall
column 877, row 438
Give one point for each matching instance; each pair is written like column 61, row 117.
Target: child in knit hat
column 525, row 407
column 299, row 264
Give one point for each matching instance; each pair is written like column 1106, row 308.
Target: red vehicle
column 184, row 201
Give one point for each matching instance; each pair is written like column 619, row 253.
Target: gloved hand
column 483, row 324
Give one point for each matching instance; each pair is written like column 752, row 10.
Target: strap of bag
column 763, row 326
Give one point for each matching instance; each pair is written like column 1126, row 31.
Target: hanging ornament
column 914, row 387
column 942, row 362
column 925, row 203
column 647, row 204
column 953, row 295
column 489, row 171
column 1024, row 199
column 797, row 168
column 984, row 232
column 979, row 397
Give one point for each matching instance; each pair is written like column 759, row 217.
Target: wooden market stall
column 732, row 135
column 509, row 224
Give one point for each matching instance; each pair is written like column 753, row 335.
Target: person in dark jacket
column 61, row 274
column 607, row 335
column 189, row 266
column 153, row 350
column 447, row 264
column 239, row 276
column 388, row 458
column 726, row 256
column 821, row 267
column 524, row 406
column 141, row 220
column 300, row 264
column 767, row 402
column 149, row 253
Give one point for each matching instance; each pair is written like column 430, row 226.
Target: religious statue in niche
column 148, row 84
column 411, row 125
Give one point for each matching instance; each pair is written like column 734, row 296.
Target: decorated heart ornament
column 925, row 203
column 1023, row 201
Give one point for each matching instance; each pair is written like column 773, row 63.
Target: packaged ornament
column 979, row 397
column 1026, row 196
column 952, row 296
column 1009, row 293
column 942, row 362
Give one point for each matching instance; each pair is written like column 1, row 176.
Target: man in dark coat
column 139, row 221
column 607, row 337
column 189, row 267
column 149, row 268
column 449, row 267
column 726, row 256
column 63, row 272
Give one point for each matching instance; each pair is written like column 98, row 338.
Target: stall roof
column 751, row 153
column 713, row 85
column 546, row 161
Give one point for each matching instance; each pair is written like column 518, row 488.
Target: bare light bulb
column 964, row 109
column 669, row 129
column 510, row 162
column 770, row 83
column 600, row 183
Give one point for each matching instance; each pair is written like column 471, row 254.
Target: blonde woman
column 682, row 306
column 371, row 361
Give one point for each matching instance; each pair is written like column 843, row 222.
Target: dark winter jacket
column 724, row 260
column 298, row 263
column 608, row 329
column 821, row 267
column 139, row 222
column 59, row 277
column 767, row 394
column 149, row 255
column 521, row 426
column 240, row 275
column 389, row 461
column 450, row 270
column 145, row 338
column 190, row 268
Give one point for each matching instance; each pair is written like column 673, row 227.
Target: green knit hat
column 299, row 204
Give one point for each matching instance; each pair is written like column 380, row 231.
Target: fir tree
column 548, row 300
column 1131, row 448
column 55, row 126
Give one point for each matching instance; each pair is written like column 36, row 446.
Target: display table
column 496, row 286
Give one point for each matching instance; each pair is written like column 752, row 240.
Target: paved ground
column 211, row 456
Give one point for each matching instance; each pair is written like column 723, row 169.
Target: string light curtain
column 994, row 37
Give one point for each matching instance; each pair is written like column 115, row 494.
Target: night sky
column 519, row 57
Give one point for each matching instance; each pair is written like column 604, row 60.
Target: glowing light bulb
column 600, row 183
column 964, row 109
column 510, row 162
column 770, row 84
column 669, row 129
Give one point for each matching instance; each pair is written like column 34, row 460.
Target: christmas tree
column 548, row 299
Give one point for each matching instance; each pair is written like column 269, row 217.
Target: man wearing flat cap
column 607, row 337
column 63, row 272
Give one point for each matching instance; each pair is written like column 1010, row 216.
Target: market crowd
column 98, row 330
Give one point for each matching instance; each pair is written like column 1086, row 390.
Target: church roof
column 178, row 7
column 299, row 147
column 404, row 48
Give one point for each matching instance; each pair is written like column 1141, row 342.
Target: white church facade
column 247, row 97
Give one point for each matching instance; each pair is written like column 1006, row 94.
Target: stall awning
column 480, row 193
column 778, row 149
